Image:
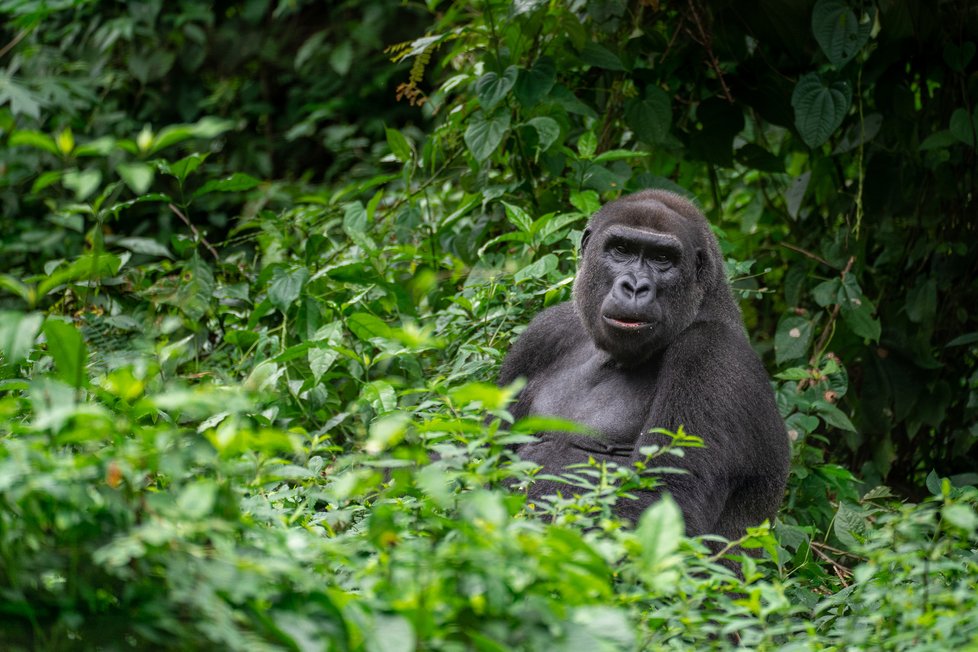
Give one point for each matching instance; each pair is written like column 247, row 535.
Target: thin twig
column 17, row 39
column 841, row 571
column 809, row 254
column 706, row 42
column 827, row 332
column 196, row 233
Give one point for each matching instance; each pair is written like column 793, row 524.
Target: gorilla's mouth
column 627, row 324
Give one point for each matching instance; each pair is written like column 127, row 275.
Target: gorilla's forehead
column 644, row 236
column 646, row 215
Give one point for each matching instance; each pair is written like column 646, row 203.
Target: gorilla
column 654, row 339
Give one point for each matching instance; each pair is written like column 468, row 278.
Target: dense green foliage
column 260, row 261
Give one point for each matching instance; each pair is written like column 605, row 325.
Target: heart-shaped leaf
column 839, row 31
column 492, row 87
column 484, row 134
column 819, row 108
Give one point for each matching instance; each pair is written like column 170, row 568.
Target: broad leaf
column 17, row 333
column 484, row 135
column 366, row 326
column 138, row 176
column 792, row 339
column 66, row 346
column 237, row 182
column 491, row 88
column 548, row 131
column 534, row 83
column 286, row 286
column 839, row 31
column 819, row 108
column 650, row 118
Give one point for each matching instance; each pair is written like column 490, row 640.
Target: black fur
column 673, row 353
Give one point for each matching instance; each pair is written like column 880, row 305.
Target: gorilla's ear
column 700, row 264
column 585, row 237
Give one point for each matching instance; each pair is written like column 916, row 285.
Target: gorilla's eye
column 620, row 250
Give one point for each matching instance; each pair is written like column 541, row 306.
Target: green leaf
column 18, row 287
column 66, row 346
column 534, row 83
column 387, row 431
column 88, row 267
column 859, row 134
column 380, row 395
column 938, row 140
column 566, row 99
column 958, row 57
column 184, row 167
column 99, row 147
column 237, row 182
column 964, row 127
column 960, row 516
column 138, row 176
column 34, row 139
column 586, row 201
column 355, row 223
column 491, row 88
column 197, row 499
column 792, row 339
column 22, row 101
column 206, row 128
column 548, row 131
column 518, row 217
column 83, row 184
column 492, row 397
column 399, row 145
column 46, row 179
column 366, row 326
column 286, row 286
column 922, row 302
column 757, row 158
column 17, row 333
column 850, row 525
column 483, row 135
column 587, row 144
column 962, row 340
column 833, row 416
column 341, row 58
column 794, row 195
column 839, row 31
column 857, row 310
column 535, row 423
column 196, row 288
column 819, row 108
column 599, row 56
column 146, row 246
column 537, row 269
column 828, row 293
column 659, row 531
column 392, row 633
column 650, row 118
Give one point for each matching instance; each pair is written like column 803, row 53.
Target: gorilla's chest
column 591, row 391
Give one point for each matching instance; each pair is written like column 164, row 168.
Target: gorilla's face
column 638, row 285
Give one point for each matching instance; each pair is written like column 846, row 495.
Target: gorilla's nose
column 630, row 288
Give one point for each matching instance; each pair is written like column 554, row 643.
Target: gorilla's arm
column 732, row 480
column 551, row 333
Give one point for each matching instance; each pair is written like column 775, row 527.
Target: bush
column 250, row 318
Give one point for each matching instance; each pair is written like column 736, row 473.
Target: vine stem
column 196, row 233
column 860, row 155
column 827, row 332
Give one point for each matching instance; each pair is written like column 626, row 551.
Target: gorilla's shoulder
column 720, row 352
column 551, row 333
